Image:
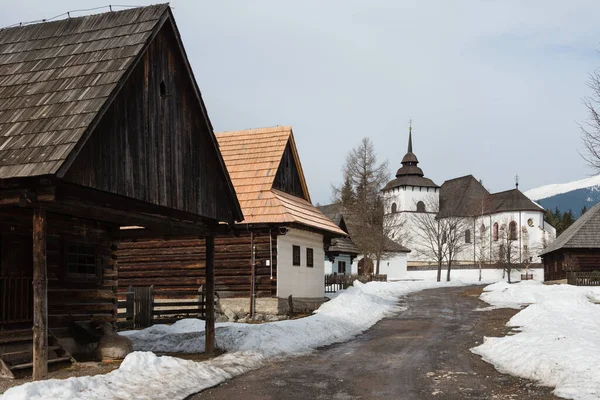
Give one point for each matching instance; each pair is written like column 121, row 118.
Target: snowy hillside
column 568, row 196
column 544, row 192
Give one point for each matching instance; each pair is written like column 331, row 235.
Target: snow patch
column 556, row 339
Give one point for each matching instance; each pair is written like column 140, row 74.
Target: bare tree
column 507, row 251
column 454, row 228
column 360, row 195
column 483, row 236
column 590, row 129
column 429, row 235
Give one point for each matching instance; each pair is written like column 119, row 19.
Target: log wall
column 558, row 263
column 178, row 264
column 69, row 299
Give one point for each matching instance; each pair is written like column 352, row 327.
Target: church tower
column 410, row 191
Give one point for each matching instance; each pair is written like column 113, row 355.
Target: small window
column 495, row 231
column 513, row 231
column 342, row 267
column 467, row 236
column 295, row 255
column 309, row 258
column 420, row 206
column 81, row 260
column 394, row 208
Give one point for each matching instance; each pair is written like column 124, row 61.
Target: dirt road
column 421, row 353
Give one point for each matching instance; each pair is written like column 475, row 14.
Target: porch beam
column 40, row 296
column 210, row 296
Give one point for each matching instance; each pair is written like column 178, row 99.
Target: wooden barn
column 278, row 250
column 102, row 125
column 577, row 249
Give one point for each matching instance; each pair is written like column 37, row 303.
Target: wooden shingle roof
column 582, row 234
column 56, row 77
column 252, row 158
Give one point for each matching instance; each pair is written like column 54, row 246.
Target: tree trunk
column 439, row 274
column 480, row 271
column 448, row 273
column 377, row 266
column 508, row 273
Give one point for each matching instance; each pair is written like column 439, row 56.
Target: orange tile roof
column 252, row 158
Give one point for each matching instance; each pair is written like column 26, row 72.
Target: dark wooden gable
column 287, row 178
column 154, row 143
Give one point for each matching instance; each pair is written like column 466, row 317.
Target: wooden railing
column 584, row 278
column 16, row 300
column 335, row 282
column 141, row 309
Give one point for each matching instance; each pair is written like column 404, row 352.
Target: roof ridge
column 249, row 131
column 56, row 20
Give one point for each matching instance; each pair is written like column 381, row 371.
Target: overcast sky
column 494, row 88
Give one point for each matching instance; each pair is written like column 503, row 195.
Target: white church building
column 488, row 221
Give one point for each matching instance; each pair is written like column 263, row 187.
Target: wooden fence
column 584, row 278
column 140, row 309
column 16, row 299
column 335, row 282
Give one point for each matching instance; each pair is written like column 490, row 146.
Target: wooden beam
column 40, row 296
column 210, row 295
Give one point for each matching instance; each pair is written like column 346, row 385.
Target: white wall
column 300, row 281
column 394, row 267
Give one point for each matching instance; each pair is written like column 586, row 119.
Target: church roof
column 409, row 173
column 583, row 233
column 511, row 200
column 466, row 196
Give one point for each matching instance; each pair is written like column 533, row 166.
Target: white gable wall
column 300, row 281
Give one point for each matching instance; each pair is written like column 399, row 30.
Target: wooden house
column 278, row 249
column 342, row 251
column 577, row 249
column 101, row 125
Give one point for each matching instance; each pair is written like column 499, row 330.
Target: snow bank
column 143, row 375
column 557, row 340
column 543, row 192
column 472, row 275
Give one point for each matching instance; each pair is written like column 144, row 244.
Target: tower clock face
column 530, row 222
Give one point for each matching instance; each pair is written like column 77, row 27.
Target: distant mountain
column 568, row 196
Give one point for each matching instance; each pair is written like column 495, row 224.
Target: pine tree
column 583, row 210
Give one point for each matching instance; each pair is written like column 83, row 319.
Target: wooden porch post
column 40, row 296
column 210, row 295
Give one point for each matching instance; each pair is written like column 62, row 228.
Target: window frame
column 95, row 277
column 340, row 263
column 468, row 236
column 421, row 207
column 310, row 257
column 296, row 258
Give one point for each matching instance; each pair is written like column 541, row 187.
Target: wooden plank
column 210, row 295
column 40, row 296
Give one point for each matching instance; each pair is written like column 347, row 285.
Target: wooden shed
column 577, row 249
column 278, row 249
column 102, row 125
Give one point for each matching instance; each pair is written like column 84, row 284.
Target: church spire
column 410, row 136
